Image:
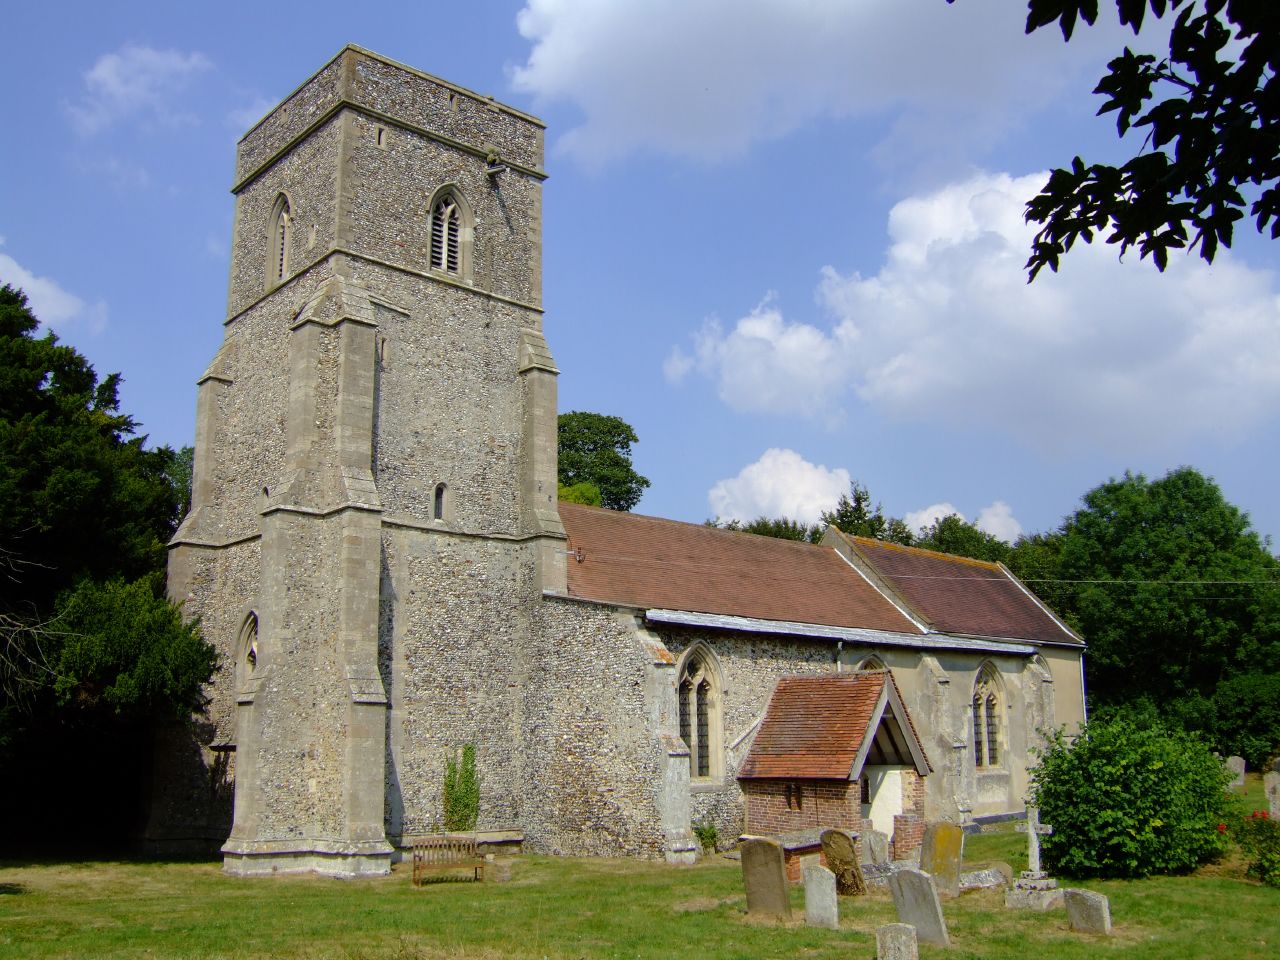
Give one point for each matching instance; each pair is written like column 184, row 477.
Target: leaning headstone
column 896, row 941
column 941, row 855
column 1034, row 889
column 1236, row 766
column 916, row 900
column 1088, row 912
column 842, row 858
column 1271, row 785
column 765, row 876
column 820, row 908
column 875, row 847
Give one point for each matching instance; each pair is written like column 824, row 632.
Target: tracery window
column 281, row 234
column 446, row 235
column 987, row 703
column 698, row 692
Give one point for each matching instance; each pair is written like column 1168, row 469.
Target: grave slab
column 916, row 899
column 896, row 941
column 875, row 847
column 765, row 877
column 941, row 855
column 840, row 850
column 1088, row 912
column 820, row 905
column 1237, row 766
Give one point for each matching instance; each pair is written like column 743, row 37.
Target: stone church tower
column 378, row 425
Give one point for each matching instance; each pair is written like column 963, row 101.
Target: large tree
column 91, row 653
column 1209, row 118
column 596, row 449
column 855, row 515
column 1170, row 586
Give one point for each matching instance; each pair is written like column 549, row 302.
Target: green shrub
column 707, row 834
column 1259, row 839
column 1130, row 801
column 461, row 791
column 1247, row 717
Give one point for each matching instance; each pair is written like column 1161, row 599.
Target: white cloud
column 244, row 117
column 53, row 306
column 948, row 331
column 780, row 484
column 919, row 520
column 707, row 78
column 765, row 364
column 135, row 81
column 999, row 521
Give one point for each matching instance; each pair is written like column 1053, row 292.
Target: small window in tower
column 281, row 235
column 437, row 510
column 446, row 230
column 380, row 137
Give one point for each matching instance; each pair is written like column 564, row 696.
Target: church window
column 699, row 713
column 871, row 663
column 437, row 509
column 247, row 646
column 281, row 234
column 446, row 236
column 986, row 718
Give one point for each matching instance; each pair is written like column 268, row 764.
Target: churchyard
column 562, row 909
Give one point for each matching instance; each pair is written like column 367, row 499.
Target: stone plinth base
column 1034, row 891
column 682, row 852
column 328, row 858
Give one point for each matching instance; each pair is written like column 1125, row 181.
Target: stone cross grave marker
column 941, row 855
column 820, row 906
column 842, row 857
column 1236, row 766
column 896, row 941
column 1034, row 889
column 1034, row 830
column 916, row 900
column 764, row 874
column 1088, row 912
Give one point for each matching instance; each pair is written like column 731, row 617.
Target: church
column 376, row 549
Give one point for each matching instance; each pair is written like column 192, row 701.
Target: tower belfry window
column 446, row 236
column 281, row 234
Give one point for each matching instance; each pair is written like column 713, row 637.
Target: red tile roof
column 815, row 727
column 959, row 595
column 649, row 563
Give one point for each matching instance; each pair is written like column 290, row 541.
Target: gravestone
column 916, row 900
column 839, row 848
column 1034, row 889
column 941, row 855
column 820, row 906
column 1271, row 785
column 896, row 941
column 1088, row 912
column 1236, row 766
column 875, row 847
column 765, row 876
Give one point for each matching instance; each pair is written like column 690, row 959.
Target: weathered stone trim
column 345, row 104
column 344, row 252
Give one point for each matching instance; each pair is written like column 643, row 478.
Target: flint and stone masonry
column 375, row 546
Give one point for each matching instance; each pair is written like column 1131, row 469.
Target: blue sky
column 782, row 239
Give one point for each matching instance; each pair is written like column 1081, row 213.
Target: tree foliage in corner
column 91, row 653
column 596, row 449
column 1209, row 114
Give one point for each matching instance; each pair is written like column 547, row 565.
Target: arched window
column 437, row 509
column 871, row 663
column 247, row 650
column 281, row 234
column 446, row 235
column 699, row 691
column 987, row 702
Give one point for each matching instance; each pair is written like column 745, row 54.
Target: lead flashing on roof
column 818, row 631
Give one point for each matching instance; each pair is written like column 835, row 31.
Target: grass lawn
column 564, row 909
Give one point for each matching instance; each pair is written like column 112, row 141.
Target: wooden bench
column 445, row 854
